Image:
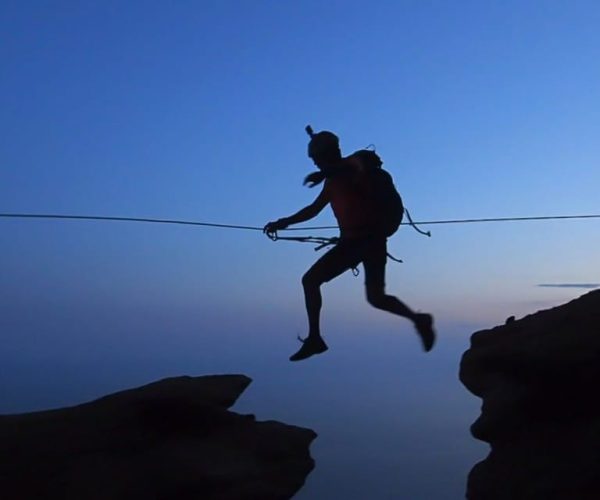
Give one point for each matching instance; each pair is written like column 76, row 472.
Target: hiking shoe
column 424, row 326
column 310, row 347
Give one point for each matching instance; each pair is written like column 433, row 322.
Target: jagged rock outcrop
column 538, row 378
column 172, row 439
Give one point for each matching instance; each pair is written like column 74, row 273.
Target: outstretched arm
column 302, row 215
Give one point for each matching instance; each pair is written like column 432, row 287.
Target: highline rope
column 306, row 228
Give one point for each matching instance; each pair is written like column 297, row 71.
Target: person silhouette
column 346, row 188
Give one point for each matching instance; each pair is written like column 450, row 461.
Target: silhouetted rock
column 538, row 379
column 173, row 439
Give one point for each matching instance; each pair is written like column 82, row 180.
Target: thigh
column 339, row 259
column 374, row 261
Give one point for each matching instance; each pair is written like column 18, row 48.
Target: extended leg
column 374, row 264
column 423, row 322
column 377, row 297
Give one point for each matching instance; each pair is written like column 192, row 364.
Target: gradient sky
column 196, row 110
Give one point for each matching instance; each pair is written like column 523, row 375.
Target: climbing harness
column 321, row 242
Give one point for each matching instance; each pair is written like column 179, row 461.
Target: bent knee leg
column 376, row 296
column 311, row 280
column 330, row 265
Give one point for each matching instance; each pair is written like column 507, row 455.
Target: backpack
column 386, row 199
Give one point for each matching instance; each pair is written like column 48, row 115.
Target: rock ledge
column 538, row 379
column 174, row 438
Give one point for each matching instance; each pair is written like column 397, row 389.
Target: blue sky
column 196, row 110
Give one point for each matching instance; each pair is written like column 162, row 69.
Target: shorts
column 348, row 254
